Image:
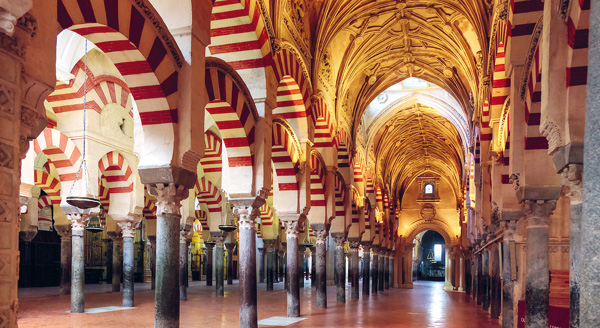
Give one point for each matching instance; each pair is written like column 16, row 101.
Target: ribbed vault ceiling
column 414, row 141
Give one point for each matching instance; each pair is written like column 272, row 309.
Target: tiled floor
column 427, row 305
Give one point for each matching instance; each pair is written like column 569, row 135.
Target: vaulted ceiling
column 371, row 45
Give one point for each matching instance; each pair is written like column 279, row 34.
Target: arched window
column 428, row 189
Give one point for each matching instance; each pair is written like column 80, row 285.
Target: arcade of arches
column 270, row 140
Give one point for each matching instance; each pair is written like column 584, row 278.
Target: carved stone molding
column 563, row 9
column 20, row 34
column 514, row 179
column 161, row 29
column 533, row 46
column 553, row 134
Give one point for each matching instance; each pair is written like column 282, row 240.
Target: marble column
column 301, row 251
column 479, row 283
column 340, row 266
column 152, row 240
column 461, row 277
column 185, row 226
column 320, row 265
column 508, row 313
column 354, row 247
column 168, row 203
column 537, row 277
column 281, row 260
column 381, row 269
column 366, row 268
column 448, row 268
column 292, row 274
column 375, row 269
column 219, row 238
column 210, row 245
column 589, row 269
column 117, row 264
column 408, row 257
column 331, row 278
column 313, row 266
column 229, row 247
column 486, row 280
column 65, row 258
column 571, row 177
column 391, row 269
column 128, row 227
column 247, row 265
column 386, row 269
column 79, row 219
column 261, row 266
column 495, row 286
column 269, row 247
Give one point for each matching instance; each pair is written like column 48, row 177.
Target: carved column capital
column 64, row 231
column 79, row 218
column 219, row 238
column 572, row 178
column 269, row 245
column 292, row 228
column 366, row 247
column 321, row 236
column 339, row 240
column 246, row 216
column 354, row 245
column 538, row 212
column 10, row 11
column 168, row 197
column 510, row 228
column 129, row 224
column 229, row 247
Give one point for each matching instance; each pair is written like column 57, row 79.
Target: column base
column 448, row 287
column 407, row 286
column 460, row 289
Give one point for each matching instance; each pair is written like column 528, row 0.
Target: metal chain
column 83, row 164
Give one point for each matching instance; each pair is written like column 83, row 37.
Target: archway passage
column 429, row 256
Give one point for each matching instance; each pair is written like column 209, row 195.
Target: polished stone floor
column 427, row 305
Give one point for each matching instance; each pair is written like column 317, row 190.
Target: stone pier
column 184, row 231
column 510, row 226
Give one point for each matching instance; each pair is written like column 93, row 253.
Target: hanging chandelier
column 231, row 226
column 83, row 202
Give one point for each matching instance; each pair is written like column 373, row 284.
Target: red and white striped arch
column 238, row 34
column 266, row 215
column 317, row 188
column 234, row 114
column 133, row 43
column 340, row 193
column 101, row 90
column 49, row 184
column 534, row 140
column 342, row 144
column 60, row 151
column 359, row 172
column 203, row 218
column 286, row 64
column 208, row 193
column 149, row 208
column 212, row 162
column 379, row 196
column 44, row 201
column 323, row 125
column 115, row 173
column 284, row 156
column 290, row 106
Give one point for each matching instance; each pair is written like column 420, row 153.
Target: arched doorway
column 429, row 257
